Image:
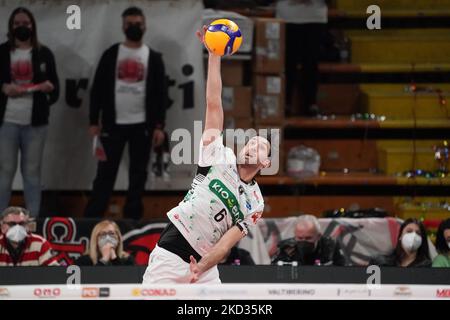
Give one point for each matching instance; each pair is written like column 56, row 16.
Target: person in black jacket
column 105, row 247
column 130, row 94
column 412, row 247
column 309, row 246
column 29, row 86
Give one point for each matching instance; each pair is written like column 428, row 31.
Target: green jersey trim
column 228, row 199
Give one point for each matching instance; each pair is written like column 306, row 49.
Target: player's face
column 255, row 152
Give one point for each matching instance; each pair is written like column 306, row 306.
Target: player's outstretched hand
column 201, row 36
column 195, row 270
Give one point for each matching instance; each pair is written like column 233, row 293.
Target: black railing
column 230, row 274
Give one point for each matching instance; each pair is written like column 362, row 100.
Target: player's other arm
column 214, row 112
column 217, row 253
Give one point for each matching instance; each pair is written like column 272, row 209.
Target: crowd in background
column 20, row 247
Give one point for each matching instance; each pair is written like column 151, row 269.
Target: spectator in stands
column 130, row 93
column 412, row 247
column 20, row 247
column 105, row 247
column 305, row 28
column 237, row 256
column 443, row 245
column 29, row 86
column 309, row 246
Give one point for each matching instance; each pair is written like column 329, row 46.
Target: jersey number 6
column 219, row 216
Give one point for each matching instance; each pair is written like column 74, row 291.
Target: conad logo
column 137, row 292
column 47, row 292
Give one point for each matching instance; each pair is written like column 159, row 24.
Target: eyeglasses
column 12, row 223
column 107, row 233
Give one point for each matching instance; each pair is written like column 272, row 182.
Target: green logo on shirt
column 227, row 198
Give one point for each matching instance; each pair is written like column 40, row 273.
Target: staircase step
column 407, row 144
column 400, row 49
column 345, row 122
column 404, row 67
column 351, row 179
column 420, row 123
column 393, row 4
column 382, row 67
column 392, row 161
column 331, row 178
column 389, row 13
column 394, row 102
column 398, row 156
column 409, row 33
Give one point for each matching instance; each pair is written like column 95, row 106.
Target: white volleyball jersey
column 218, row 200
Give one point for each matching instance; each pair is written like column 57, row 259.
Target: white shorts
column 166, row 267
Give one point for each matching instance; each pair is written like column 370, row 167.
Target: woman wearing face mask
column 106, row 247
column 443, row 245
column 412, row 247
column 28, row 87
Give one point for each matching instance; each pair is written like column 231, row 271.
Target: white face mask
column 107, row 239
column 411, row 242
column 448, row 243
column 16, row 233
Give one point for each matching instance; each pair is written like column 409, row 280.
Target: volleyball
column 223, row 37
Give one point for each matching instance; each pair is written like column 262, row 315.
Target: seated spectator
column 412, row 247
column 237, row 256
column 105, row 247
column 20, row 247
column 309, row 246
column 443, row 245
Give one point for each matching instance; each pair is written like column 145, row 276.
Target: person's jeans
column 114, row 140
column 30, row 142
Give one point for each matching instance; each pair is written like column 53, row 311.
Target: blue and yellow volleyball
column 223, row 37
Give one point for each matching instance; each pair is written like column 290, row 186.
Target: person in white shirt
column 128, row 106
column 306, row 24
column 29, row 86
column 223, row 204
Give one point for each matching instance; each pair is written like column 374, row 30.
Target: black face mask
column 22, row 33
column 305, row 249
column 134, row 32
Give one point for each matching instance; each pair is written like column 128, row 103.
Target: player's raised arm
column 214, row 111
